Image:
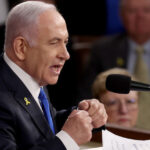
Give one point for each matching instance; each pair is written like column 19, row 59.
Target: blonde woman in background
column 122, row 109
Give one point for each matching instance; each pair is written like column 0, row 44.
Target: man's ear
column 20, row 47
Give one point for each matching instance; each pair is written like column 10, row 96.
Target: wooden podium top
column 132, row 133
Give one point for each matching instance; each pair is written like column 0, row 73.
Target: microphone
column 123, row 84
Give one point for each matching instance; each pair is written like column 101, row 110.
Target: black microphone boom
column 122, row 84
column 138, row 86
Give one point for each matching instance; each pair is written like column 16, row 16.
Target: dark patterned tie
column 45, row 106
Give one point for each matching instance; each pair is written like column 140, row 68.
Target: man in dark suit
column 120, row 50
column 106, row 53
column 35, row 52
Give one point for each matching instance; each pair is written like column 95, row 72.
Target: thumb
column 73, row 113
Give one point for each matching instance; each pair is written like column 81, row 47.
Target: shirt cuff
column 66, row 139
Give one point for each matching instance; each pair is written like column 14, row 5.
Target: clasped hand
column 90, row 114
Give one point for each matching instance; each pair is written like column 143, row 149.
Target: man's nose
column 64, row 53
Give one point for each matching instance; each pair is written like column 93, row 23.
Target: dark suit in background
column 106, row 53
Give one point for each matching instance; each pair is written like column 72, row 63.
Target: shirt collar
column 28, row 81
column 133, row 45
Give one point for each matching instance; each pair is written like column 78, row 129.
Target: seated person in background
column 122, row 51
column 122, row 109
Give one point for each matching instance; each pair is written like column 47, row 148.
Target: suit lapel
column 122, row 51
column 24, row 98
column 29, row 104
column 125, row 51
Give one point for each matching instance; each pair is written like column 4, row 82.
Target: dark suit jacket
column 106, row 53
column 23, row 127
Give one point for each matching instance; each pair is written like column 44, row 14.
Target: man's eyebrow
column 58, row 39
column 55, row 38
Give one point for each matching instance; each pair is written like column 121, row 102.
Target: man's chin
column 49, row 82
column 52, row 82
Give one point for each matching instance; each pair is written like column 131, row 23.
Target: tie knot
column 140, row 49
column 42, row 95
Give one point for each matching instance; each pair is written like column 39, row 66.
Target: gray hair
column 22, row 20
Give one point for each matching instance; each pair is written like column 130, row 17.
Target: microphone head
column 118, row 83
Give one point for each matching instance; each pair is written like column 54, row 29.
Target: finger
column 73, row 113
column 94, row 106
column 88, row 122
column 79, row 113
column 99, row 121
column 83, row 105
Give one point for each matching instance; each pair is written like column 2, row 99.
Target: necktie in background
column 141, row 69
column 45, row 106
column 142, row 74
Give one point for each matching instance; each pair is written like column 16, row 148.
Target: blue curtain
column 113, row 21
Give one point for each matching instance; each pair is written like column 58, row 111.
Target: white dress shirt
column 34, row 89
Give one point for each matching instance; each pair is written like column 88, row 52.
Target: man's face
column 45, row 60
column 122, row 109
column 136, row 17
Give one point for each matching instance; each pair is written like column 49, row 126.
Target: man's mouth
column 56, row 69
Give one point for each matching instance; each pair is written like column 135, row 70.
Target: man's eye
column 54, row 42
column 66, row 42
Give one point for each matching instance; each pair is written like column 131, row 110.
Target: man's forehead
column 134, row 1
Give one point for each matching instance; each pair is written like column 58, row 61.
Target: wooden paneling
column 132, row 133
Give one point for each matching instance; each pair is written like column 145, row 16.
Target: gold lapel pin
column 27, row 101
column 120, row 61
